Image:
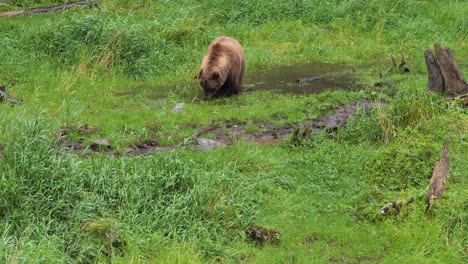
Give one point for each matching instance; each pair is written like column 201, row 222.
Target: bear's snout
column 208, row 95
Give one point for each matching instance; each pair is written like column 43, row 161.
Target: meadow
column 122, row 65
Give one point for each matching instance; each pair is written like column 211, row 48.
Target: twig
column 439, row 178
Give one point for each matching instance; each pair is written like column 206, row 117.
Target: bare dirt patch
column 147, row 147
column 271, row 133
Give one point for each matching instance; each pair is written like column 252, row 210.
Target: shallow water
column 326, row 76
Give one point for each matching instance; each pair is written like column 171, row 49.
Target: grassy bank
column 123, row 65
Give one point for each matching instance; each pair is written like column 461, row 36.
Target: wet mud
column 309, row 78
column 147, row 147
column 303, row 78
column 299, row 79
column 268, row 134
column 271, row 133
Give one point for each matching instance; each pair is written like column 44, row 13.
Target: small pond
column 302, row 78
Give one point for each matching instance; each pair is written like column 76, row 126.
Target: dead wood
column 463, row 98
column 6, row 97
column 439, row 178
column 403, row 59
column 394, row 208
column 435, row 81
column 444, row 76
column 397, row 68
column 392, row 57
column 49, row 9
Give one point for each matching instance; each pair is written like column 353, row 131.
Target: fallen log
column 463, row 99
column 394, row 208
column 444, row 76
column 6, row 97
column 463, row 96
column 49, row 9
column 439, row 178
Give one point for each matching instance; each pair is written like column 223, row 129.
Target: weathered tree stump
column 444, row 76
column 439, row 178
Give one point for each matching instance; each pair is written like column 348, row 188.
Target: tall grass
column 58, row 207
column 169, row 195
column 171, row 38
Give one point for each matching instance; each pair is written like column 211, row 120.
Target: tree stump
column 444, row 76
column 439, row 178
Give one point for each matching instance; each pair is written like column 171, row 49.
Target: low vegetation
column 122, row 65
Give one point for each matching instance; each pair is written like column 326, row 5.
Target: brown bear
column 222, row 68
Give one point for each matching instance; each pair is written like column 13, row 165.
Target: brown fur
column 222, row 68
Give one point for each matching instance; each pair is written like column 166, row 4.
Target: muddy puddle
column 302, row 78
column 298, row 79
column 306, row 78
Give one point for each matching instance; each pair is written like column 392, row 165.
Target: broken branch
column 439, row 178
column 48, row 9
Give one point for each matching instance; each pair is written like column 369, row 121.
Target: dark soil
column 147, row 147
column 271, row 133
column 68, row 133
column 341, row 115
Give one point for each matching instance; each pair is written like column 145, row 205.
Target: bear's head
column 210, row 81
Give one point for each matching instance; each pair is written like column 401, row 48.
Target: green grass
column 124, row 64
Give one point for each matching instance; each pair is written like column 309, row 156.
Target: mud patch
column 76, row 145
column 223, row 135
column 81, row 130
column 341, row 115
column 147, row 147
column 71, row 138
column 272, row 134
column 303, row 78
column 101, row 145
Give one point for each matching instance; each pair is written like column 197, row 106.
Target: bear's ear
column 199, row 74
column 215, row 74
